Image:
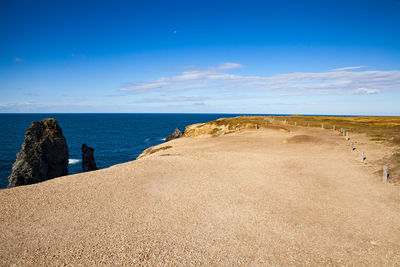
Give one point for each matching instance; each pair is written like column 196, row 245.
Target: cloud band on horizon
column 337, row 81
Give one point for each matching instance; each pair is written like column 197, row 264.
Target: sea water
column 116, row 138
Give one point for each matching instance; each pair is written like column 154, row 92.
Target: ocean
column 116, row 138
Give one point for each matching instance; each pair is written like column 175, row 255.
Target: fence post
column 347, row 135
column 385, row 174
column 322, row 126
column 257, row 127
column 351, row 145
column 334, row 127
column 362, row 156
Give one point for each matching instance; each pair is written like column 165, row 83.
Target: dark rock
column 43, row 156
column 176, row 134
column 88, row 163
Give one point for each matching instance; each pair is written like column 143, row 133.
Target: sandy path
column 241, row 199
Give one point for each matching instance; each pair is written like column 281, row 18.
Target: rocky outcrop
column 225, row 126
column 43, row 156
column 88, row 163
column 176, row 134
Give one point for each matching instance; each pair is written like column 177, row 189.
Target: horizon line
column 194, row 113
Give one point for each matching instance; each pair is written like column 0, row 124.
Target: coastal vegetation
column 384, row 130
column 152, row 150
column 379, row 129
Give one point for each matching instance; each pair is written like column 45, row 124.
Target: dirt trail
column 258, row 197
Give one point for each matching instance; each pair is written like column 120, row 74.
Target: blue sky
column 295, row 57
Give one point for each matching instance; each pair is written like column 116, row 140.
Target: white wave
column 73, row 161
column 163, row 139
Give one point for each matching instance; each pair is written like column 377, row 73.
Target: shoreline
column 315, row 120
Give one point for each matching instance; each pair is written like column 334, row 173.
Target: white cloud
column 350, row 68
column 167, row 99
column 365, row 91
column 340, row 81
column 229, row 65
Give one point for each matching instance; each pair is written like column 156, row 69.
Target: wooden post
column 334, row 127
column 322, row 126
column 308, row 124
column 295, row 123
column 344, row 132
column 347, row 135
column 351, row 145
column 341, row 130
column 362, row 156
column 385, row 174
column 257, row 127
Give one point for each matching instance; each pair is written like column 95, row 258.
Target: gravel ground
column 257, row 197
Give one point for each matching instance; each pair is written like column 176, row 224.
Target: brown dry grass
column 152, row 150
column 379, row 129
column 225, row 126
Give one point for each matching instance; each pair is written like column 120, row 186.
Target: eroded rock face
column 88, row 163
column 176, row 134
column 43, row 156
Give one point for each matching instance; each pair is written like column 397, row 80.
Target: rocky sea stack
column 176, row 134
column 43, row 156
column 88, row 163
